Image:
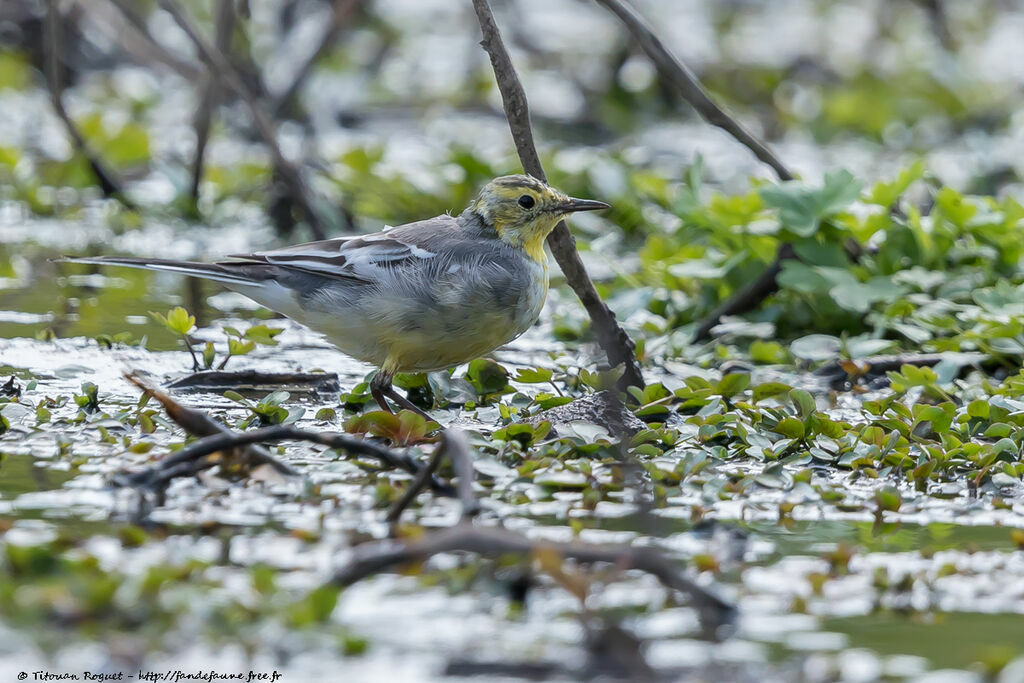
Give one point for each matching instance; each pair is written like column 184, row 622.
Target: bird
column 419, row 297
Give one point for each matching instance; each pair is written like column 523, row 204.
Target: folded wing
column 363, row 258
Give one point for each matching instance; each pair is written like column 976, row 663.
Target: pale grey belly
column 402, row 334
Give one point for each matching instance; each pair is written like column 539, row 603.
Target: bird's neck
column 534, row 248
column 478, row 226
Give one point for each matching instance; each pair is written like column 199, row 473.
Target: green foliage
column 802, row 208
column 268, row 411
column 403, row 428
column 177, row 320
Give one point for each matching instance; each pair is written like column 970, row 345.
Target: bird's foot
column 407, row 404
column 381, row 393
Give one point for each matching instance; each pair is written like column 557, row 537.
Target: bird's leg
column 380, row 386
column 406, row 403
column 381, row 390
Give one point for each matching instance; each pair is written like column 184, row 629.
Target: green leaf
column 263, row 335
column 953, row 207
column 237, row 347
column 769, row 389
column 803, row 401
column 767, row 352
column 886, row 194
column 790, row 427
column 888, row 499
column 978, row 408
column 15, row 71
column 326, row 415
column 732, row 384
column 533, row 375
column 275, row 398
column 178, row 320
column 801, row 208
column 316, row 607
column 208, row 355
column 800, row 277
column 487, row 377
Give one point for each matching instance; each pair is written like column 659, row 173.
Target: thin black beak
column 574, row 205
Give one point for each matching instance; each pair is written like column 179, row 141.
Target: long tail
column 242, row 273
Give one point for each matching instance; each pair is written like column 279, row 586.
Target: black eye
column 526, row 201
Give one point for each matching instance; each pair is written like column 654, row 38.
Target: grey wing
column 366, row 258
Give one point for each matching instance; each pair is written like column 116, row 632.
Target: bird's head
column 524, row 210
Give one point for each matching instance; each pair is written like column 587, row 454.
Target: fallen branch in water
column 840, row 371
column 378, row 556
column 217, row 439
column 612, row 338
column 168, row 468
column 198, row 423
column 252, row 380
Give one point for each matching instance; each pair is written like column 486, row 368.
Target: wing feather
column 364, row 258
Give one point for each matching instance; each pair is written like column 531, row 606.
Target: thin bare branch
column 226, row 73
column 375, row 557
column 750, row 296
column 455, row 445
column 143, row 42
column 418, row 483
column 218, row 438
column 689, row 87
column 229, row 440
column 612, row 338
column 109, row 184
column 208, row 98
column 341, row 13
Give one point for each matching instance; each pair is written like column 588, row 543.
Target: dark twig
column 686, row 83
column 218, row 438
column 456, row 447
column 454, row 444
column 137, row 23
column 108, row 182
column 416, row 485
column 612, row 338
column 226, row 73
column 208, row 98
column 750, row 296
column 372, row 558
column 231, row 440
column 341, row 12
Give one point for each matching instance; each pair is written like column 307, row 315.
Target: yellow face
column 524, row 210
